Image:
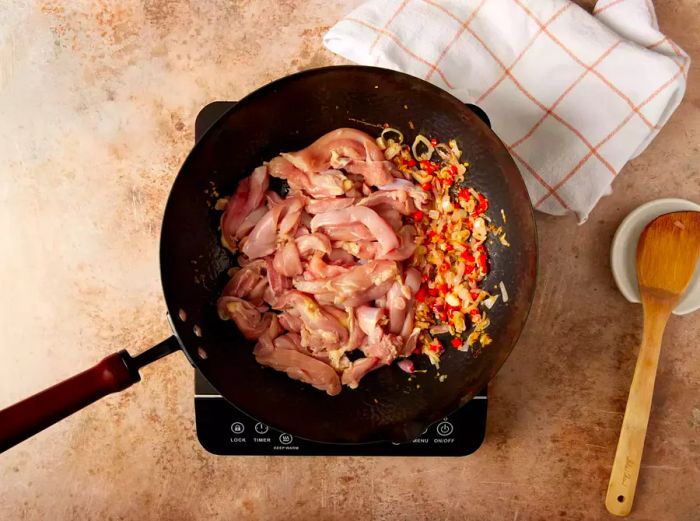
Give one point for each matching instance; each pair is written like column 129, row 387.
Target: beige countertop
column 96, row 114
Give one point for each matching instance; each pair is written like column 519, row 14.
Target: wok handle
column 114, row 373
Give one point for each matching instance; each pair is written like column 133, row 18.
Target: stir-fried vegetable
column 451, row 253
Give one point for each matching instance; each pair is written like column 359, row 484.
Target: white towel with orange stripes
column 573, row 96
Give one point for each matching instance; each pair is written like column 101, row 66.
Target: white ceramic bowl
column 624, row 251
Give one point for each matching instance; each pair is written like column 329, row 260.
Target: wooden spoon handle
column 628, row 458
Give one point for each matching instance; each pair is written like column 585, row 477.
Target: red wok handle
column 114, row 373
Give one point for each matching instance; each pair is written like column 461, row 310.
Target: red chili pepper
column 427, row 186
column 421, row 294
column 417, row 215
column 433, row 292
column 464, row 194
column 425, row 277
column 481, row 206
column 467, row 256
column 431, row 234
column 483, row 201
column 449, row 247
column 443, row 317
column 443, row 288
column 469, row 268
column 474, row 312
column 483, row 264
column 444, row 267
column 456, row 342
column 411, row 162
column 453, row 169
column 474, row 295
column 433, row 141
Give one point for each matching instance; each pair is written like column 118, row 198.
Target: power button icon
column 444, row 428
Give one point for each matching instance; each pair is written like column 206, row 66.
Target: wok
column 286, row 115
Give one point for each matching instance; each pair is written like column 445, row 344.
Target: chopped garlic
column 504, row 292
column 452, row 299
column 479, row 230
column 392, row 150
column 447, row 204
column 489, row 302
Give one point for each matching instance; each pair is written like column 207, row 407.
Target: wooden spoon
column 667, row 253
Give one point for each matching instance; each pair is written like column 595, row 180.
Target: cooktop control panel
column 224, row 430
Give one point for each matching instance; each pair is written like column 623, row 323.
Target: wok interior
column 288, row 115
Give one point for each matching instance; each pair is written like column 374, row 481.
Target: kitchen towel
column 573, row 96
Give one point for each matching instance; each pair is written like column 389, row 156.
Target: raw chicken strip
column 245, row 279
column 312, row 243
column 407, row 245
column 247, row 317
column 278, row 283
column 368, row 318
column 287, row 260
column 249, row 222
column 376, row 173
column 360, row 284
column 279, row 222
column 248, row 197
column 317, row 184
column 340, row 145
column 420, row 197
column 386, row 350
column 347, row 232
column 396, row 303
column 399, row 200
column 317, row 206
column 358, row 369
column 383, row 233
column 320, row 329
column 285, row 357
column 318, row 269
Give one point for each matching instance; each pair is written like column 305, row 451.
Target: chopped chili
column 450, row 255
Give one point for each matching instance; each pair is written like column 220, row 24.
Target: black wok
column 286, row 115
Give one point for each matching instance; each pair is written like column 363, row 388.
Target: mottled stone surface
column 97, row 101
